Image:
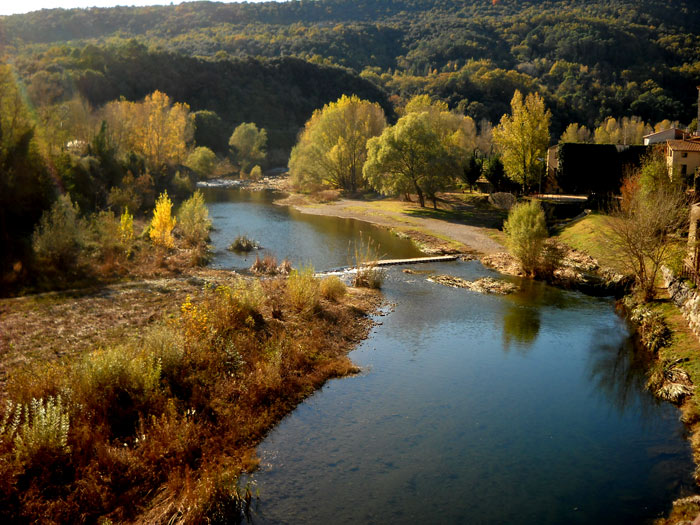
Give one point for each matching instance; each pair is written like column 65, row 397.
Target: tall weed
column 303, row 290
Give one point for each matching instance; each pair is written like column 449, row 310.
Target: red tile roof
column 683, row 145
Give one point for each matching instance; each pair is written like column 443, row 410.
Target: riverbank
column 210, row 359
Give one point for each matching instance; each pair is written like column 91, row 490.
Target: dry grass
column 162, row 424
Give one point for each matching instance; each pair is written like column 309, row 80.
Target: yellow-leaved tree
column 522, row 138
column 163, row 222
column 156, row 128
column 332, row 148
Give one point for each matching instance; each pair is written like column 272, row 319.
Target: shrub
column 332, row 288
column 163, row 222
column 652, row 328
column 193, row 219
column 243, row 243
column 303, row 290
column 126, row 231
column 166, row 344
column 368, row 274
column 117, row 385
column 38, row 428
column 526, row 233
column 59, row 235
column 107, row 234
column 255, row 173
column 265, row 266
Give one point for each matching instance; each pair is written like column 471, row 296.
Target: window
column 684, row 154
column 684, row 169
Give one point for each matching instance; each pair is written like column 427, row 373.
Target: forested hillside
column 590, row 59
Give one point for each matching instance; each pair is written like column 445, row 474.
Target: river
column 471, row 408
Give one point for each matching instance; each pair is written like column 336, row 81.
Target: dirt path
column 434, row 235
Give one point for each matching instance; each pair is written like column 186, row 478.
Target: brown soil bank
column 144, row 402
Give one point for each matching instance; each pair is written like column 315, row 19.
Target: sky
column 9, row 7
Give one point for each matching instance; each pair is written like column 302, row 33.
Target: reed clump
column 365, row 256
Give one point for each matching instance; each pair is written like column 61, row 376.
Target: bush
column 255, row 173
column 303, row 290
column 243, row 243
column 126, row 231
column 117, row 384
column 193, row 220
column 526, row 233
column 332, row 288
column 265, row 266
column 202, row 160
column 107, row 233
column 163, row 222
column 59, row 235
column 38, row 428
column 368, row 274
column 166, row 344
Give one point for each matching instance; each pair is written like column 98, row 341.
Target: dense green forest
column 589, row 59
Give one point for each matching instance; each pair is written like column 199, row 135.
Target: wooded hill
column 590, row 59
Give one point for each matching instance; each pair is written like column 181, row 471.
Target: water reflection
column 618, row 370
column 521, row 324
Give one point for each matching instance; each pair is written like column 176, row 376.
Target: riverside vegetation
column 158, row 426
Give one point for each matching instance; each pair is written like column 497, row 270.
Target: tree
column 471, row 170
column 644, row 225
column 248, row 143
column 410, row 156
column 523, row 137
column 629, row 130
column 575, row 133
column 526, row 233
column 156, row 128
column 332, row 148
column 202, row 160
column 163, row 222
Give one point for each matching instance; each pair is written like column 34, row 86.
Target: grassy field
column 591, row 235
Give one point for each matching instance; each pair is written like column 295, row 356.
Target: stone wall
column 687, row 299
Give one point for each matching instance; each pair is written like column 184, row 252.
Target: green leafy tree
column 410, row 156
column 523, row 137
column 332, row 148
column 248, row 144
column 202, row 160
column 193, row 220
column 471, row 170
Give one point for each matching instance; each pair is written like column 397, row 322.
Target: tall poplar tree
column 523, row 137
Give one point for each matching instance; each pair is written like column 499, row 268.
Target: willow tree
column 423, row 153
column 408, row 157
column 332, row 147
column 523, row 137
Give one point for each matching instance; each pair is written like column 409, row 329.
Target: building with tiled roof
column 683, row 159
column 663, row 136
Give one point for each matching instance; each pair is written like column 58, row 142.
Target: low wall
column 687, row 299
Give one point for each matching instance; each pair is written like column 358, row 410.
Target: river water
column 471, row 408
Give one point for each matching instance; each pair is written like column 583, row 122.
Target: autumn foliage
column 163, row 222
